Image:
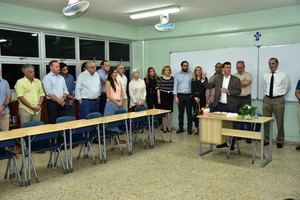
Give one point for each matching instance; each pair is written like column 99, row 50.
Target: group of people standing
column 105, row 91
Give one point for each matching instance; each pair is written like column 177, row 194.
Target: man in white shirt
column 56, row 90
column 276, row 85
column 123, row 80
column 88, row 89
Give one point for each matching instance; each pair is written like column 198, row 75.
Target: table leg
column 262, row 146
column 29, row 160
column 104, row 144
column 70, row 151
column 99, row 142
column 66, row 152
column 130, row 144
column 24, row 161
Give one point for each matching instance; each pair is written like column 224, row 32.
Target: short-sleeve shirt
column 32, row 91
column 245, row 76
column 4, row 91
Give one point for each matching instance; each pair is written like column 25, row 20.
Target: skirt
column 166, row 99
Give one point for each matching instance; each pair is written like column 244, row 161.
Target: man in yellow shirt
column 30, row 95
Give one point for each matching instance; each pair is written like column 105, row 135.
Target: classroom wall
column 277, row 26
column 30, row 17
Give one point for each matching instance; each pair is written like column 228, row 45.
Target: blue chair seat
column 5, row 154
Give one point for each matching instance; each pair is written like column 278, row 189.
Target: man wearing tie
column 276, row 85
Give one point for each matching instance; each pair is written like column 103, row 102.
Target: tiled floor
column 169, row 171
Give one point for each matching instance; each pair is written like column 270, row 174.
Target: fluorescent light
column 3, row 40
column 155, row 12
column 34, row 34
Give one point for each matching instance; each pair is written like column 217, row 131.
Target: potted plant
column 247, row 111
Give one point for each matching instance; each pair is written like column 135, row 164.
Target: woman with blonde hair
column 165, row 96
column 198, row 93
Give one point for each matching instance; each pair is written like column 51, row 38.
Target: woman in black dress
column 198, row 93
column 151, row 88
column 165, row 96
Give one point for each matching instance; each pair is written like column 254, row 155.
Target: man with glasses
column 105, row 66
column 183, row 96
column 64, row 71
column 123, row 80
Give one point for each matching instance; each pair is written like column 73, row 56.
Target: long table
column 22, row 133
column 214, row 129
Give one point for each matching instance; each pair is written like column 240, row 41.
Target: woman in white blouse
column 137, row 89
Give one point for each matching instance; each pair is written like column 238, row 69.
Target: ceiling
column 117, row 10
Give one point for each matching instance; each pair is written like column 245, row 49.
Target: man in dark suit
column 227, row 88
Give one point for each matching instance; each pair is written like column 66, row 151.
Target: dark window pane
column 15, row 43
column 91, row 50
column 13, row 72
column 71, row 69
column 118, row 51
column 60, row 47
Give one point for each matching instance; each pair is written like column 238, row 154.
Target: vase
column 247, row 117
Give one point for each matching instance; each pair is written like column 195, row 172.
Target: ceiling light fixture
column 3, row 40
column 154, row 12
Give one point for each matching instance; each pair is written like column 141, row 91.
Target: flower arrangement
column 247, row 110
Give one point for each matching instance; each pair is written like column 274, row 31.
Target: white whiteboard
column 288, row 57
column 208, row 58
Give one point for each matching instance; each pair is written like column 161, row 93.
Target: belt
column 274, row 97
column 185, row 94
column 90, row 99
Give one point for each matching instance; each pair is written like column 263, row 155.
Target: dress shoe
column 266, row 143
column 190, row 132
column 298, row 147
column 249, row 141
column 179, row 131
column 222, row 145
column 279, row 145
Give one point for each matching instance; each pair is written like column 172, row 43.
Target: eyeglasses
column 185, row 65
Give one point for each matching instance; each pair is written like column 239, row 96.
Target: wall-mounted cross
column 257, row 36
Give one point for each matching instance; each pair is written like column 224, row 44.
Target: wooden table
column 216, row 127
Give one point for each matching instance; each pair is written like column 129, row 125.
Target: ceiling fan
column 75, row 7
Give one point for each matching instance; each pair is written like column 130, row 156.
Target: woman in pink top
column 114, row 93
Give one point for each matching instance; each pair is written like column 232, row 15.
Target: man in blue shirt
column 105, row 66
column 64, row 71
column 297, row 93
column 56, row 91
column 183, row 96
column 5, row 98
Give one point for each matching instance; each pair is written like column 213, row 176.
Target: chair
column 114, row 129
column 12, row 166
column 79, row 136
column 92, row 134
column 139, row 125
column 42, row 143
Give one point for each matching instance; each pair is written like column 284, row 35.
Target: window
column 119, row 51
column 91, row 50
column 13, row 72
column 60, row 47
column 71, row 70
column 16, row 43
